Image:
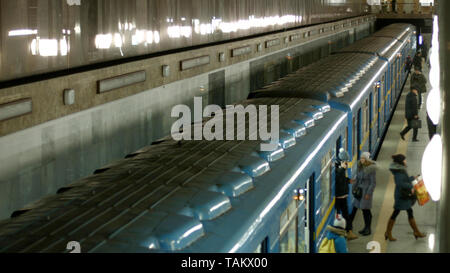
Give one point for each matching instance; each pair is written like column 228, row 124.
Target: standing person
column 341, row 192
column 417, row 61
column 418, row 80
column 366, row 180
column 403, row 201
column 394, row 6
column 408, row 64
column 411, row 113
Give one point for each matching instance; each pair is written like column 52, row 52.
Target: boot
column 367, row 223
column 388, row 233
column 351, row 236
column 366, row 231
column 417, row 233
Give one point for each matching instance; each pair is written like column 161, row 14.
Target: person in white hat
column 366, row 182
column 341, row 190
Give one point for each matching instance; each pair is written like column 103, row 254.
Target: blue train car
column 199, row 196
column 231, row 196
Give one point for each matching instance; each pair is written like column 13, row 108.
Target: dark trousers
column 409, row 127
column 342, row 209
column 367, row 217
column 396, row 213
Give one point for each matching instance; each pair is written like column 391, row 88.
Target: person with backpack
column 334, row 241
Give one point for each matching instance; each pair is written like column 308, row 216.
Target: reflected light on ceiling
column 179, row 31
column 22, row 32
column 103, row 41
column 63, row 46
column 49, row 47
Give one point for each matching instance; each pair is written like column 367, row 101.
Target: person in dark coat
column 420, row 82
column 366, row 180
column 394, row 6
column 411, row 113
column 403, row 187
column 341, row 191
column 417, row 61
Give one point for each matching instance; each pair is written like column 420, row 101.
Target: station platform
column 383, row 201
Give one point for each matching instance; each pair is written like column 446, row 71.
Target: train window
column 346, row 139
column 325, row 182
column 258, row 249
column 288, row 241
column 354, row 148
column 288, row 228
column 375, row 102
column 288, row 215
column 263, row 246
column 366, row 116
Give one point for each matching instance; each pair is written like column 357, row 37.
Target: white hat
column 365, row 155
column 339, row 222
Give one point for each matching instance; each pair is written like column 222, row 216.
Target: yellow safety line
column 319, row 228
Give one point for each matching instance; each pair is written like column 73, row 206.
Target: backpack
column 327, row 246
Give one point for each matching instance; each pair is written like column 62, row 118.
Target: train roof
column 165, row 197
column 340, row 78
column 399, row 31
column 384, row 43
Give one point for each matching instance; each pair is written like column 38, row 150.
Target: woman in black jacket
column 404, row 196
column 341, row 191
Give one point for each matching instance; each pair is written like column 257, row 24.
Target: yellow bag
column 421, row 192
column 327, row 246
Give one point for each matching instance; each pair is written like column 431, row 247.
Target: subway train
column 232, row 196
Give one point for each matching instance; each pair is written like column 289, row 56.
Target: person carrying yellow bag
column 335, row 241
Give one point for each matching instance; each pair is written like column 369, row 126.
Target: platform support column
column 444, row 206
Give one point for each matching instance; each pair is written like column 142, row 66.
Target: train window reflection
column 49, row 47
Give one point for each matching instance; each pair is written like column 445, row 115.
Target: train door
column 354, row 137
column 398, row 78
column 393, row 82
column 338, row 146
column 376, row 111
column 359, row 133
column 305, row 243
column 371, row 117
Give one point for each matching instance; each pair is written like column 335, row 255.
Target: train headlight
column 300, row 195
